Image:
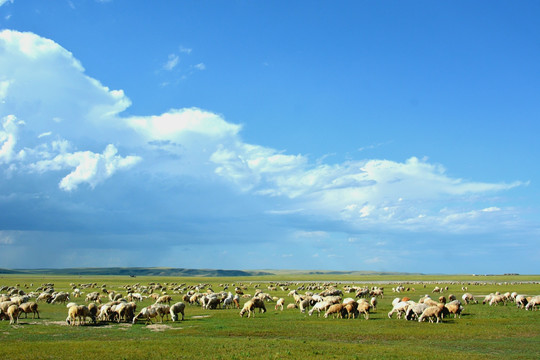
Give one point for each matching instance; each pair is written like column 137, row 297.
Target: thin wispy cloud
column 200, row 66
column 172, row 62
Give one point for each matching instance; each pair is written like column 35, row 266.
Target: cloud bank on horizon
column 87, row 183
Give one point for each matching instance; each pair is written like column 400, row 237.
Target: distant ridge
column 138, row 271
column 181, row 272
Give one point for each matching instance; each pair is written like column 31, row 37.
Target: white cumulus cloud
column 88, row 167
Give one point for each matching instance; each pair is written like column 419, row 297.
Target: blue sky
column 350, row 135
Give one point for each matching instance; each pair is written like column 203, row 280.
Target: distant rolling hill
column 181, row 272
column 137, row 271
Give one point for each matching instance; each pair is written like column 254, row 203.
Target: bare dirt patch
column 159, row 327
column 62, row 323
column 200, row 316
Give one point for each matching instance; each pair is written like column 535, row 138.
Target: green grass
column 483, row 332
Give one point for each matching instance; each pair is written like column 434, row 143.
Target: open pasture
column 482, row 332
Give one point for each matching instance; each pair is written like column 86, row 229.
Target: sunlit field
column 482, row 332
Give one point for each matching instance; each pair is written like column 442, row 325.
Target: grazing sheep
column 29, row 307
column 533, row 303
column 80, row 313
column 279, row 304
column 363, row 308
column 431, row 302
column 228, row 302
column 162, row 310
column 415, row 310
column 4, row 305
column 400, row 308
column 377, row 292
column 521, row 301
column 469, row 298
column 304, row 305
column 13, row 313
column 432, row 312
column 121, row 311
column 147, row 313
column 292, row 306
column 362, row 293
column 60, row 297
column 93, row 296
column 335, row 310
column 135, row 297
column 320, row 306
column 455, row 308
column 210, row 301
column 175, row 309
column 497, row 299
column 93, row 310
column 373, row 302
column 164, row 299
column 487, row 299
column 351, row 309
column 19, row 299
column 251, row 305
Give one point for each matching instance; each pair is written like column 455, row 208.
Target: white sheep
column 320, row 306
column 304, row 305
column 176, row 309
column 400, row 308
column 373, row 302
column 147, row 313
column 162, row 309
column 415, row 310
column 13, row 313
column 469, row 298
column 497, row 299
column 533, row 303
column 279, row 304
column 521, row 301
column 60, row 297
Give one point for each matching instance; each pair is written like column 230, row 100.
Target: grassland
column 483, row 332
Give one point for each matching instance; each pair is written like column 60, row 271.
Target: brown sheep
column 351, row 308
column 432, row 312
column 79, row 313
column 363, row 308
column 164, row 299
column 455, row 308
column 29, row 307
column 335, row 310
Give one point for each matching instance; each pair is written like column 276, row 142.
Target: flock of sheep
column 326, row 299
